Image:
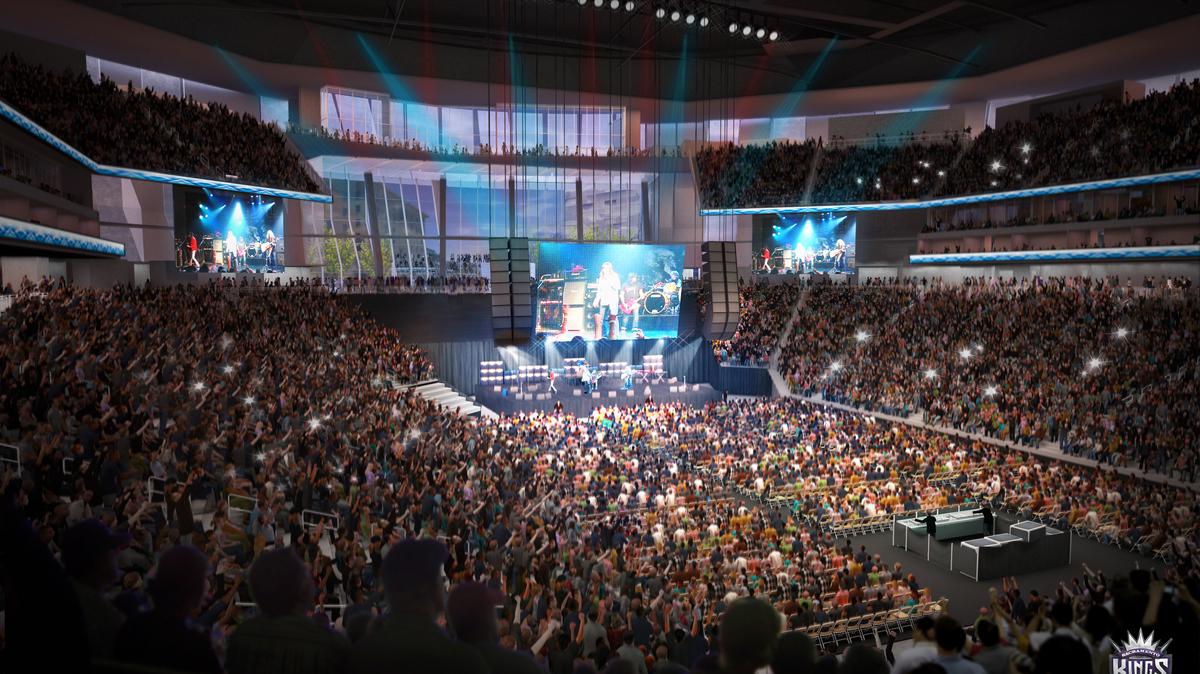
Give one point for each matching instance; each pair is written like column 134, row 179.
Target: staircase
column 777, row 379
column 447, row 398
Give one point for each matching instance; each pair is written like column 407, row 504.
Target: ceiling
column 559, row 45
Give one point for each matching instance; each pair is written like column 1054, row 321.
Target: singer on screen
column 608, row 299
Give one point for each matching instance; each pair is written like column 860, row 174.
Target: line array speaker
column 512, row 311
column 719, row 276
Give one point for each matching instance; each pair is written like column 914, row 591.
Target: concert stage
column 575, row 401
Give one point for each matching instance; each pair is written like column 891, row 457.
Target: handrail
column 15, row 459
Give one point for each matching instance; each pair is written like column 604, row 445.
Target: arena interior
column 582, row 336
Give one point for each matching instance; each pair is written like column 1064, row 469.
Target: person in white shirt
column 923, row 648
column 608, row 300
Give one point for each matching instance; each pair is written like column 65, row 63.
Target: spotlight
column 599, row 3
column 1094, row 363
column 1122, row 333
column 582, row 3
column 198, row 386
column 965, row 353
column 630, row 5
column 862, row 335
column 314, row 424
column 990, row 391
column 248, row 401
column 615, row 4
column 858, row 180
column 941, row 173
column 733, row 27
column 675, row 15
column 660, row 13
column 760, row 33
column 930, row 373
column 996, row 165
column 689, row 19
column 746, row 30
column 916, row 180
column 1025, row 148
column 773, row 36
column 704, row 22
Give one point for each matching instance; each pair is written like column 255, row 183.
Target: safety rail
column 241, row 504
column 156, row 489
column 10, row 455
column 311, row 518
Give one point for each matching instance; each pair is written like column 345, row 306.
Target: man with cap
column 167, row 637
column 472, row 613
column 282, row 639
column 89, row 555
column 408, row 638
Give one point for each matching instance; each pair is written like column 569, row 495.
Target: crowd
column 763, row 310
column 440, row 285
column 206, row 481
column 1157, row 133
column 966, row 221
column 153, row 131
column 484, row 150
column 1106, row 372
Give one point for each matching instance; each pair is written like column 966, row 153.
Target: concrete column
column 373, row 222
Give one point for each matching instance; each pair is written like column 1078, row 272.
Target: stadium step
column 447, row 398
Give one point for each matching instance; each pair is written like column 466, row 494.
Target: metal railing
column 10, row 455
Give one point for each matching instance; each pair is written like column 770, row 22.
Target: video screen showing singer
column 608, row 291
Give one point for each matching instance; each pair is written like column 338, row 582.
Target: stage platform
column 575, row 401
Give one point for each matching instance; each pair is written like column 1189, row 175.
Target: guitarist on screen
column 631, row 307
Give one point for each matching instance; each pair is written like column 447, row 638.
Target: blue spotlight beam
column 34, row 129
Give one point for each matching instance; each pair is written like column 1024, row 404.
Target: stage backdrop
column 456, row 331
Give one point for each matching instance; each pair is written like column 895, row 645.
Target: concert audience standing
column 656, row 522
column 120, row 126
column 763, row 311
column 1157, row 133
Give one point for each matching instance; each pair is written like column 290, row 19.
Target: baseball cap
column 85, row 542
column 470, row 606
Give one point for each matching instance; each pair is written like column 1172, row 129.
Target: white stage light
column 733, row 27
column 1122, row 333
column 660, row 12
column 746, row 30
column 862, row 335
column 630, row 5
column 773, row 36
column 704, row 22
column 675, row 15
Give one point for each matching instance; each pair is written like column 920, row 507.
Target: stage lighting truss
column 693, row 15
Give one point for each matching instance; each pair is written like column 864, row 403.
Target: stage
column 575, row 401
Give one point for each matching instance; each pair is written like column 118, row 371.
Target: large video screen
column 229, row 232
column 608, row 291
column 806, row 243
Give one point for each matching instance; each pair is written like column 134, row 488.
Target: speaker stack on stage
column 512, row 311
column 719, row 275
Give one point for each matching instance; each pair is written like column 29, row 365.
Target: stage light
column 228, row 369
column 930, row 373
column 996, row 165
column 916, row 180
column 965, row 353
column 314, row 424
column 1025, row 148
column 690, row 19
column 994, row 183
column 248, row 401
column 660, row 12
column 941, row 173
column 615, row 4
column 704, row 22
column 1122, row 333
column 582, row 3
column 260, row 456
column 773, row 36
column 630, row 5
column 198, row 386
column 989, row 391
column 733, row 27
column 1094, row 363
column 675, row 15
column 862, row 335
column 746, row 30
column 760, row 33
column 858, row 180
column 599, row 4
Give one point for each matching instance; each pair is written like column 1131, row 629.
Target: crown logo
column 1141, row 655
column 1142, row 644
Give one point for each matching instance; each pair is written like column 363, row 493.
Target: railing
column 156, row 489
column 311, row 518
column 242, row 505
column 10, row 455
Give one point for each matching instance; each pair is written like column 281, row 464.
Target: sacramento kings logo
column 1141, row 655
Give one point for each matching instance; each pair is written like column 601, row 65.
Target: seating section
column 1158, row 133
column 119, row 126
column 763, row 313
column 1108, row 373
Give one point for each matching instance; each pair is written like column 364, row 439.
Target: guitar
column 627, row 306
